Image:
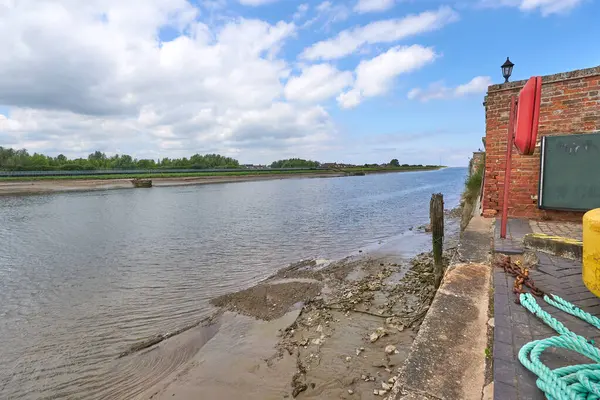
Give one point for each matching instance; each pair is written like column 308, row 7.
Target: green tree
column 395, row 163
column 295, row 163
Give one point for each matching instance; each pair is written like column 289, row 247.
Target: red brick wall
column 570, row 104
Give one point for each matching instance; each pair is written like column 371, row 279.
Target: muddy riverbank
column 80, row 185
column 313, row 330
column 26, row 186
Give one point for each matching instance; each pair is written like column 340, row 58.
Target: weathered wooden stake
column 436, row 215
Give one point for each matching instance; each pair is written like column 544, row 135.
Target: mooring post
column 436, row 215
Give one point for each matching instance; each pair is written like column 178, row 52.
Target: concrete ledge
column 447, row 358
column 557, row 245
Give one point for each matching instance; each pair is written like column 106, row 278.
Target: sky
column 360, row 81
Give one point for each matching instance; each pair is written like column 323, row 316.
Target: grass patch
column 473, row 185
column 155, row 174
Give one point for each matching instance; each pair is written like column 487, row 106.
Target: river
column 85, row 275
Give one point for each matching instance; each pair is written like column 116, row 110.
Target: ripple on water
column 83, row 276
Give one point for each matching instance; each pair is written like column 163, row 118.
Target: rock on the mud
column 348, row 359
column 299, row 389
column 390, row 349
column 381, row 392
column 385, row 386
column 317, row 341
column 379, row 332
column 350, row 391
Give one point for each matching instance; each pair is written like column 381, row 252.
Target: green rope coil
column 569, row 308
column 573, row 382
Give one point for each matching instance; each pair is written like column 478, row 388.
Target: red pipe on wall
column 509, row 146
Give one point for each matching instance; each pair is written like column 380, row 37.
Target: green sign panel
column 570, row 172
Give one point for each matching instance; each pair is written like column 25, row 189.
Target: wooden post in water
column 436, row 215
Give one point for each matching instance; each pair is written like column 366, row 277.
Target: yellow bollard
column 591, row 251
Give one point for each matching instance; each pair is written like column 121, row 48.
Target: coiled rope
column 573, row 382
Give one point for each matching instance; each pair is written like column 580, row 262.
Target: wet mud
column 313, row 330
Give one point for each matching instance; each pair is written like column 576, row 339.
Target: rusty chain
column 521, row 275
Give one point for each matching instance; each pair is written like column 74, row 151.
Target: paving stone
column 504, row 371
column 504, row 391
column 504, row 351
column 521, row 330
column 503, row 334
column 501, row 320
column 520, row 341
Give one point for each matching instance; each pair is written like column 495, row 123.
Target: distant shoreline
column 13, row 186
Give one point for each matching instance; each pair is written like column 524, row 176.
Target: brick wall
column 570, row 104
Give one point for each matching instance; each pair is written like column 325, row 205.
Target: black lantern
column 507, row 69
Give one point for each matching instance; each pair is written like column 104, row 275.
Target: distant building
column 337, row 165
column 253, row 166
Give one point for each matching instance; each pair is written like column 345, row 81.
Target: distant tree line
column 21, row 160
column 295, row 163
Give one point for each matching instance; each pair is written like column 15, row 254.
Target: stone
column 350, row 391
column 320, row 328
column 348, row 359
column 390, row 349
column 491, row 322
column 382, row 392
column 385, row 386
column 317, row 341
column 373, row 337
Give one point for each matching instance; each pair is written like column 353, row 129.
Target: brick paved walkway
column 571, row 230
column 516, row 229
column 515, row 326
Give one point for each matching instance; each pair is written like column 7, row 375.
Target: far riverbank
column 60, row 184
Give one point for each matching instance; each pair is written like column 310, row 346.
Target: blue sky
column 348, row 81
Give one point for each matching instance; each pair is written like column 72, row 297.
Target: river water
column 85, row 275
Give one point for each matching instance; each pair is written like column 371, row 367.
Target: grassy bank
column 473, row 185
column 200, row 174
column 471, row 193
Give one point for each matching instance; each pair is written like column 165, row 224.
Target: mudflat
column 313, row 330
column 11, row 187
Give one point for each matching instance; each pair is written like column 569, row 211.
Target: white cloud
column 349, row 99
column 255, row 3
column 438, row 90
column 548, row 7
column 376, row 76
column 316, row 83
column 385, row 31
column 366, row 6
column 545, row 7
column 328, row 13
column 301, row 11
column 80, row 76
